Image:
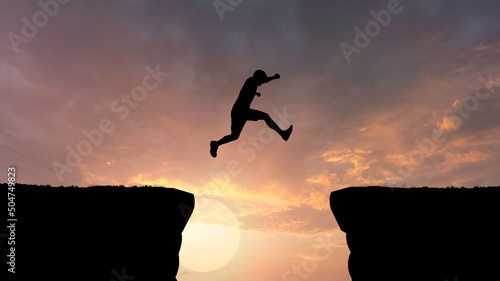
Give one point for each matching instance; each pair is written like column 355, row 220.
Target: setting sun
column 208, row 245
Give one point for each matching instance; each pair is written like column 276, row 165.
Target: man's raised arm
column 267, row 79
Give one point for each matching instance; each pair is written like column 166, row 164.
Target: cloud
column 464, row 158
column 301, row 221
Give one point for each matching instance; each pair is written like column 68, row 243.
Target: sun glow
column 211, row 238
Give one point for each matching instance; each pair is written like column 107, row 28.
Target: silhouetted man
column 241, row 112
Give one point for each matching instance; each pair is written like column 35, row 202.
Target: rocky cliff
column 420, row 233
column 99, row 233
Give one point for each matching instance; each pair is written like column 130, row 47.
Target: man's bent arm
column 267, row 79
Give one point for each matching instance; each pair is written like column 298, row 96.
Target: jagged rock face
column 99, row 233
column 420, row 233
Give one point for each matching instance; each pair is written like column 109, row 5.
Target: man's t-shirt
column 246, row 96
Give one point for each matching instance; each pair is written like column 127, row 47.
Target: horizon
column 383, row 93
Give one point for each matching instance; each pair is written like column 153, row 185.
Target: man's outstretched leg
column 259, row 115
column 236, row 128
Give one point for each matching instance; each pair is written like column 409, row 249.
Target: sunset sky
column 414, row 104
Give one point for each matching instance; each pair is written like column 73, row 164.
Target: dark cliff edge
column 420, row 233
column 98, row 233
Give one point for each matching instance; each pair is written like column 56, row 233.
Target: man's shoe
column 286, row 133
column 213, row 148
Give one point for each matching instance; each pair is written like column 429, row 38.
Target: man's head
column 259, row 76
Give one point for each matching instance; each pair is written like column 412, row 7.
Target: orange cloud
column 349, row 168
column 456, row 159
